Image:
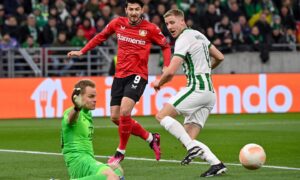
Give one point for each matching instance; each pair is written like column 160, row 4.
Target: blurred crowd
column 232, row 25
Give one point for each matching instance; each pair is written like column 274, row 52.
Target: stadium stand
column 36, row 34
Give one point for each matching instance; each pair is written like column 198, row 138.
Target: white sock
column 121, row 151
column 150, row 138
column 177, row 130
column 208, row 156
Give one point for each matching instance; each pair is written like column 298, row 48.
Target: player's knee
column 115, row 119
column 159, row 117
column 111, row 175
column 125, row 111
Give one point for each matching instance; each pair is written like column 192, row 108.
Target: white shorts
column 194, row 105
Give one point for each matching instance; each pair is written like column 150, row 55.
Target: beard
column 133, row 20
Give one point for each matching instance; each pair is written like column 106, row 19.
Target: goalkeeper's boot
column 116, row 159
column 215, row 170
column 155, row 145
column 192, row 154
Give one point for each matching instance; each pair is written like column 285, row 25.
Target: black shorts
column 132, row 87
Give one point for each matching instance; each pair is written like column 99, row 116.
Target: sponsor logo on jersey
column 131, row 40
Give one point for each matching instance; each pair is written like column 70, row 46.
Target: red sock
column 138, row 130
column 125, row 128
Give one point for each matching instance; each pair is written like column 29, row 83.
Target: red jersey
column 134, row 44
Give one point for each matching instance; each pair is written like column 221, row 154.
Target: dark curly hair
column 140, row 2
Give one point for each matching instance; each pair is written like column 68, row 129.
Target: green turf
column 279, row 134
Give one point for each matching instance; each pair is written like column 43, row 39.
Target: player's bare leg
column 192, row 129
column 115, row 114
column 110, row 174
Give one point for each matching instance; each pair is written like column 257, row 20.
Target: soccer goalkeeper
column 76, row 137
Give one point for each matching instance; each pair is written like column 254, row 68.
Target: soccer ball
column 252, row 156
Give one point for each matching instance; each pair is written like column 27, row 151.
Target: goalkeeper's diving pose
column 76, row 137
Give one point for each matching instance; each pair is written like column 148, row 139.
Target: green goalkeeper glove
column 76, row 99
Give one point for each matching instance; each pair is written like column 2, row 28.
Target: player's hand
column 156, row 85
column 74, row 53
column 76, row 98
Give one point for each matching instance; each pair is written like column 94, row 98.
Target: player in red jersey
column 135, row 37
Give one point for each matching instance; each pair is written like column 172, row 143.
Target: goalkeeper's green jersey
column 76, row 138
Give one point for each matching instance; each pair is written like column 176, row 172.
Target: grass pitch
column 279, row 134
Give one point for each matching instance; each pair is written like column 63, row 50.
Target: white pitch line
column 212, row 124
column 141, row 159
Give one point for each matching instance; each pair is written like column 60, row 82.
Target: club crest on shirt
column 142, row 33
column 122, row 27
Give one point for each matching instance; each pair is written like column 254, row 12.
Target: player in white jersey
column 193, row 52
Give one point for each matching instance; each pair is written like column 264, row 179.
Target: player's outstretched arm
column 217, row 56
column 166, row 52
column 158, row 38
column 74, row 53
column 169, row 72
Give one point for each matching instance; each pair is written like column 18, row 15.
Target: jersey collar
column 85, row 110
column 186, row 28
column 138, row 23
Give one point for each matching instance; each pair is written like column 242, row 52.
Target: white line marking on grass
column 213, row 124
column 140, row 159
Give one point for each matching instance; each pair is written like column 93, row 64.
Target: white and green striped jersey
column 193, row 47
